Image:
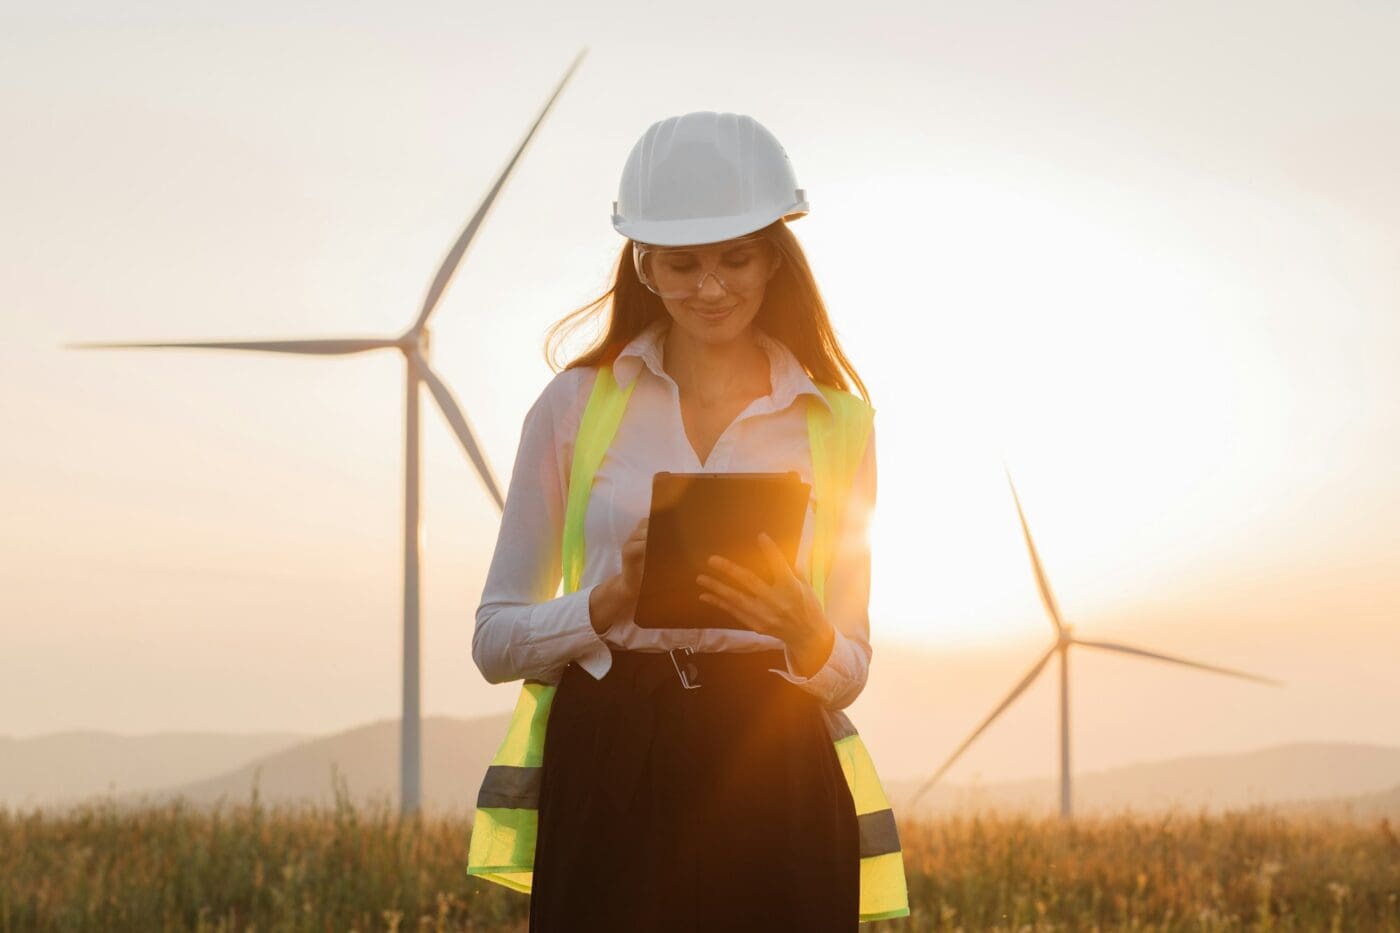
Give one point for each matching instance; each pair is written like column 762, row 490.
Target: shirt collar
column 786, row 374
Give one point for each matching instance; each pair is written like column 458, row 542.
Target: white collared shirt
column 523, row 629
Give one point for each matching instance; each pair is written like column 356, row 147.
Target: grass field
column 250, row 867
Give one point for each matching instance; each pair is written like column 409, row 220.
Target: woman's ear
column 777, row 261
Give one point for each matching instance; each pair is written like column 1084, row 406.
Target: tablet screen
column 694, row 515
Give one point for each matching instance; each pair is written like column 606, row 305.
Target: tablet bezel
column 668, row 597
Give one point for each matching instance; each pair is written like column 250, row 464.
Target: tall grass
column 251, row 867
column 1239, row 871
column 247, row 867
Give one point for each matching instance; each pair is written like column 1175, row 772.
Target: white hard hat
column 704, row 177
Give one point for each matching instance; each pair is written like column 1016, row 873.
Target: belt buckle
column 682, row 673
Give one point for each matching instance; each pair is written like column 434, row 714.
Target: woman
column 688, row 780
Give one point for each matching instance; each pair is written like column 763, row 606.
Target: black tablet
column 694, row 515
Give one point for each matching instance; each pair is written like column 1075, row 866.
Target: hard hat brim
column 697, row 231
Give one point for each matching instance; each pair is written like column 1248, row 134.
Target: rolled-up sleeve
column 523, row 629
column 840, row 680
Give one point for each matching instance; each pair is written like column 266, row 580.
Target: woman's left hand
column 786, row 609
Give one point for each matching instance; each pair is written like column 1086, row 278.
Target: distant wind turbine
column 415, row 345
column 1064, row 637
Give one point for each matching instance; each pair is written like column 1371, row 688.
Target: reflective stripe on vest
column 507, row 808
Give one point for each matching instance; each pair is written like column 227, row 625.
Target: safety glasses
column 739, row 265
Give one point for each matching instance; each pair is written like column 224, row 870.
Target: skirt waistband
column 699, row 667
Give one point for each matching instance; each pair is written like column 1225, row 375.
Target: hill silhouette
column 1338, row 778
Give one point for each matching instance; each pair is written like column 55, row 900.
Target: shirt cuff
column 827, row 682
column 567, row 634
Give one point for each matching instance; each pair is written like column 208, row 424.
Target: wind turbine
column 415, row 345
column 1064, row 638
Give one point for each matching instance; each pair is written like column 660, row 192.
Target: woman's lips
column 714, row 314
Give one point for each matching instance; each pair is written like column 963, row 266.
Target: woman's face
column 717, row 313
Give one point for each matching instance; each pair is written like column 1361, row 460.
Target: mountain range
column 57, row 772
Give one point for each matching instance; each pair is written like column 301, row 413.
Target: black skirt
column 716, row 808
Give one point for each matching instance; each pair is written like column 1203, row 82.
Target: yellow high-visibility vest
column 507, row 808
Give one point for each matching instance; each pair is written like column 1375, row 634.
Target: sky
column 1142, row 256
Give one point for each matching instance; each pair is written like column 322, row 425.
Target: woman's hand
column 615, row 600
column 787, row 608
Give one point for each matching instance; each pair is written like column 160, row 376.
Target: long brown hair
column 792, row 312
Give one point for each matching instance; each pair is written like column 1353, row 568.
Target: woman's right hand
column 616, row 599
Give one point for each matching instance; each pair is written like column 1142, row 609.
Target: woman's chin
column 715, row 328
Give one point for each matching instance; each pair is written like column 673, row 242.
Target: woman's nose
column 710, row 286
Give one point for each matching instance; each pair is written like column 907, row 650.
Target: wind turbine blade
column 453, row 412
column 459, row 249
column 1001, row 707
column 1128, row 649
column 332, row 346
column 1046, row 596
